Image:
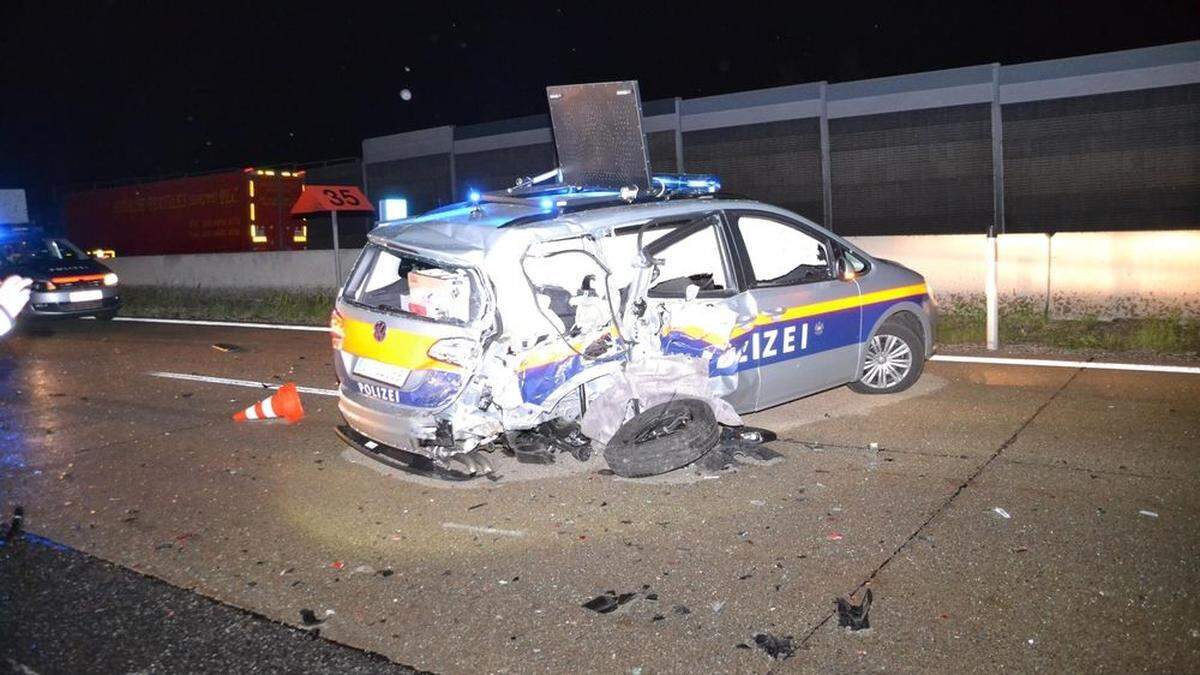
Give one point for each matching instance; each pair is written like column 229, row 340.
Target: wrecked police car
column 465, row 329
column 600, row 303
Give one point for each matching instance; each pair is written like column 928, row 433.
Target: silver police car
column 66, row 281
column 516, row 310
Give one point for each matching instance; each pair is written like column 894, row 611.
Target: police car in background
column 66, row 281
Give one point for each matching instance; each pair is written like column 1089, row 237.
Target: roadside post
column 331, row 199
column 991, row 285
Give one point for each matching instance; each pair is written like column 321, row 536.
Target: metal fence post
column 453, row 177
column 991, row 283
column 678, row 134
column 826, row 164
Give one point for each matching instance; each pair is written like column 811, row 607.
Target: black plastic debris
column 15, row 525
column 681, row 610
column 540, row 444
column 853, row 616
column 740, row 442
column 309, row 618
column 608, row 601
column 779, row 648
column 226, row 347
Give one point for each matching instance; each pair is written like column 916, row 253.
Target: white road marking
column 483, row 530
column 226, row 324
column 239, row 383
column 1052, row 363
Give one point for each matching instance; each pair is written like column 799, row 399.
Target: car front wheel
column 893, row 361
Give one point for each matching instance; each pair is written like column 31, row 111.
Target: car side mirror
column 844, row 271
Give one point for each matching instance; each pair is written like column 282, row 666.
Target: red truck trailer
column 245, row 210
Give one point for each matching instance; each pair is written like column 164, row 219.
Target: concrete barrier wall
column 302, row 270
column 1073, row 274
column 1103, row 274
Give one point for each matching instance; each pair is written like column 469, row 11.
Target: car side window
column 781, row 254
column 696, row 259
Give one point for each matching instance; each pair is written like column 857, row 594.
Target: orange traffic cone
column 284, row 403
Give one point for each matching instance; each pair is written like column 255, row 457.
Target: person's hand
column 14, row 293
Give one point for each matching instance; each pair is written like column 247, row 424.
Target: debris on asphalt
column 1001, row 512
column 1148, row 514
column 226, row 347
column 779, row 648
column 608, row 601
column 717, row 606
column 309, row 618
column 337, row 564
column 477, row 506
column 834, row 536
column 15, row 525
column 681, row 610
column 853, row 616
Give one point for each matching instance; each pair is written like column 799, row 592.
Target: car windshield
column 24, row 250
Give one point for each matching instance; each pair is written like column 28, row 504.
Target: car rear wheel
column 893, row 361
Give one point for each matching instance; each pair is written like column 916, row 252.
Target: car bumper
column 410, row 433
column 59, row 303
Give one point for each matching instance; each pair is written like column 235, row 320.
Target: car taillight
column 337, row 329
column 456, row 351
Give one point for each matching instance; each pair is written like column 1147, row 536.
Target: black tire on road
column 663, row 438
column 916, row 359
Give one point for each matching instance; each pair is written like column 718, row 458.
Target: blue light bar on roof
column 687, row 183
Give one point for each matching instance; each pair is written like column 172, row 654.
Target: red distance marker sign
column 326, row 198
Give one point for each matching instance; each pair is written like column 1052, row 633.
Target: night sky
column 109, row 91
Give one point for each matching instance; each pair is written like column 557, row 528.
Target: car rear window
column 400, row 283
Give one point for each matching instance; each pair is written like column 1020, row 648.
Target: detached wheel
column 893, row 361
column 663, row 438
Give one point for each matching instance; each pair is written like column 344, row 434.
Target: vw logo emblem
column 819, row 328
column 380, row 331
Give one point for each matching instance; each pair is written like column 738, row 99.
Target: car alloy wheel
column 887, row 362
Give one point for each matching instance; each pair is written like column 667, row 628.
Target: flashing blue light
column 474, row 196
column 547, row 204
column 682, row 183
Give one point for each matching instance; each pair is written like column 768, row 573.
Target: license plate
column 85, row 296
column 384, row 372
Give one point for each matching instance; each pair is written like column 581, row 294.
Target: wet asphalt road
column 67, row 612
column 152, row 475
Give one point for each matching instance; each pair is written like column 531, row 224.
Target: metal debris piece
column 779, row 648
column 852, row 616
column 1148, row 514
column 226, row 347
column 15, row 526
column 309, row 618
column 1002, row 513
